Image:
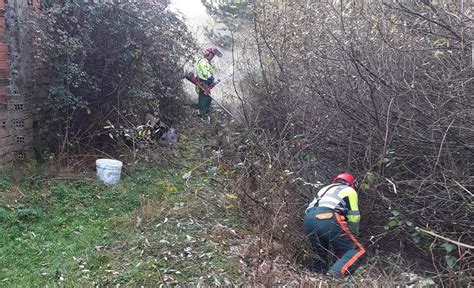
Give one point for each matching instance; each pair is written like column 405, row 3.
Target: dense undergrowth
column 379, row 89
column 178, row 223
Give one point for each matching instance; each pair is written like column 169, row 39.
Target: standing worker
column 205, row 75
column 332, row 220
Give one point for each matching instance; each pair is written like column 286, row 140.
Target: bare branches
column 380, row 90
column 446, row 239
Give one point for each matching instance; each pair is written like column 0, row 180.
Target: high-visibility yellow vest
column 204, row 69
column 342, row 199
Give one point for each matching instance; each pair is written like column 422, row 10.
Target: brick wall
column 17, row 87
column 5, row 133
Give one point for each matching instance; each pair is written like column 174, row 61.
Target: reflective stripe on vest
column 316, row 200
column 332, row 198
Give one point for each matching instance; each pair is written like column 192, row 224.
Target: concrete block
column 21, row 156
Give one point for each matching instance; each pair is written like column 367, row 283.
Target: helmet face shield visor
column 216, row 52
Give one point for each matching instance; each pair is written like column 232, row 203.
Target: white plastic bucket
column 108, row 170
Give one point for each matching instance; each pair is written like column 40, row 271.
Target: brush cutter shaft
column 207, row 91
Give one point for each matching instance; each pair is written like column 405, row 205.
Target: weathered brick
column 4, row 74
column 3, row 56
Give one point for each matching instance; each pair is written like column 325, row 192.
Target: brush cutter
column 207, row 91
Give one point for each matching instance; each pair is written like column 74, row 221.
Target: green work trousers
column 204, row 103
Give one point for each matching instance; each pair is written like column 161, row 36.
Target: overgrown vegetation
column 380, row 89
column 109, row 65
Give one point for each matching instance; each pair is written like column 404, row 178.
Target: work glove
column 210, row 80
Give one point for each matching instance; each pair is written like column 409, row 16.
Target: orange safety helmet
column 346, row 177
column 213, row 51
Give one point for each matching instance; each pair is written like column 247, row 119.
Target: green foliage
column 367, row 182
column 230, row 10
column 5, row 182
column 230, row 15
column 107, row 62
column 389, row 158
column 398, row 220
column 448, row 247
column 416, row 237
column 451, row 261
column 26, row 214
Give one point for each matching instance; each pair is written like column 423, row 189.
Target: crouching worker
column 332, row 221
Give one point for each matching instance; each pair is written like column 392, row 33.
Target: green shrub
column 107, row 64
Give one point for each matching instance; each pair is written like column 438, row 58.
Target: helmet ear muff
column 355, row 185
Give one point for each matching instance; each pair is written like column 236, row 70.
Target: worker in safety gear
column 205, row 75
column 332, row 220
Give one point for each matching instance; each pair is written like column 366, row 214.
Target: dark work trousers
column 332, row 231
column 204, row 103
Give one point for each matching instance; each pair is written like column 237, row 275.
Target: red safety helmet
column 213, row 51
column 346, row 177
